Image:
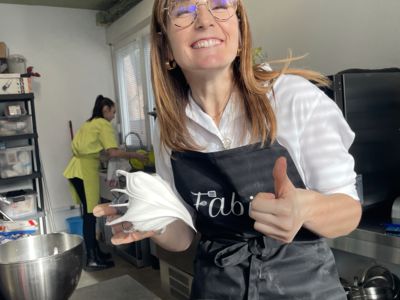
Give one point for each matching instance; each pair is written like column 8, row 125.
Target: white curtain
column 135, row 92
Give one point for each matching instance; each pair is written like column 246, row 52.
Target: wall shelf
column 5, row 181
column 19, row 137
column 16, row 97
column 35, row 179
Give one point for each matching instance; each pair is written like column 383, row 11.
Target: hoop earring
column 170, row 64
column 239, row 50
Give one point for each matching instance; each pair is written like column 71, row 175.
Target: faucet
column 138, row 137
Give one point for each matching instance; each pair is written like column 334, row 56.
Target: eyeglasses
column 183, row 13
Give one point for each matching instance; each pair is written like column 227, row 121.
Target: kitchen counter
column 371, row 240
column 372, row 244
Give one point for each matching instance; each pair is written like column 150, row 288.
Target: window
column 135, row 92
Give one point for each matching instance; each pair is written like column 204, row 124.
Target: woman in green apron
column 259, row 156
column 96, row 135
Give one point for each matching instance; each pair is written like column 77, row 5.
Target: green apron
column 93, row 137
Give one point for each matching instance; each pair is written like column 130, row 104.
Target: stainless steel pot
column 377, row 283
column 378, row 276
column 44, row 267
column 370, row 293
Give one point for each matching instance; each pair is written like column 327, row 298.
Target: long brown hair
column 171, row 88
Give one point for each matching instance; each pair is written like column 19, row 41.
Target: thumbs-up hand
column 279, row 215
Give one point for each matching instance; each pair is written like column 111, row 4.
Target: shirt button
column 226, row 142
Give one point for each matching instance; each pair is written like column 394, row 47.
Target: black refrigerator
column 370, row 102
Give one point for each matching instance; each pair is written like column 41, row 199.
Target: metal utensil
column 6, row 216
column 4, row 200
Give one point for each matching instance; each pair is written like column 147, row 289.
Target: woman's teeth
column 206, row 43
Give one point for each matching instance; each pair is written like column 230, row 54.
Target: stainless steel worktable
column 371, row 240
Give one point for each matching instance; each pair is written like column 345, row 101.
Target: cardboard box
column 3, row 50
column 14, row 84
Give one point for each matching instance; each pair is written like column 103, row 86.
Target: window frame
column 139, row 37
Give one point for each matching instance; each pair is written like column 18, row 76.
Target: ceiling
column 85, row 4
column 109, row 10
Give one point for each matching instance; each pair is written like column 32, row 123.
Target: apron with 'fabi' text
column 234, row 261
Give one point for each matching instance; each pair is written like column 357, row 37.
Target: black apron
column 234, row 261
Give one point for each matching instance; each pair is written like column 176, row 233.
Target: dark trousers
column 89, row 220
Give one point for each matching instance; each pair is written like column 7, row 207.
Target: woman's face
column 109, row 112
column 205, row 45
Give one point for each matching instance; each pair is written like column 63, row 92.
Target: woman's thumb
column 282, row 183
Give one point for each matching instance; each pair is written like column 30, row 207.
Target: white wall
column 70, row 52
column 338, row 34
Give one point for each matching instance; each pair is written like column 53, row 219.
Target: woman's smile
column 206, row 43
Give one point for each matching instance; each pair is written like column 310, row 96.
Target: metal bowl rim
column 50, row 257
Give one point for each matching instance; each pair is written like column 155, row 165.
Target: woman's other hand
column 143, row 157
column 120, row 233
column 104, row 210
column 114, row 152
column 122, row 236
column 279, row 215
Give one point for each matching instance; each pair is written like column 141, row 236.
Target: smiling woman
column 209, row 50
column 229, row 133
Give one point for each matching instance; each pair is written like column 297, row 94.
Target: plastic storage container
column 14, row 110
column 22, row 203
column 15, row 125
column 75, row 225
column 16, row 162
column 16, row 64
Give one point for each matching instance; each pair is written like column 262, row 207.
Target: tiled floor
column 147, row 276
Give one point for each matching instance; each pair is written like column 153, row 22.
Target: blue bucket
column 75, row 225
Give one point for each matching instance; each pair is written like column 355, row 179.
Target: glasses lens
column 182, row 13
column 223, row 9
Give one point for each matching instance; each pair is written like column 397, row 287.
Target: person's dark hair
column 99, row 105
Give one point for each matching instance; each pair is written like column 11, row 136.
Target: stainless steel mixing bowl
column 45, row 267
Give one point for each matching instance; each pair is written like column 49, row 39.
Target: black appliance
column 370, row 102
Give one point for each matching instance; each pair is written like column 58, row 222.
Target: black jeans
column 89, row 220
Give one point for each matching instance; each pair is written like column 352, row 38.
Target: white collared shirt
column 309, row 125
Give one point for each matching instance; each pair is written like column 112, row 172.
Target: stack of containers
column 16, row 161
column 18, row 204
column 15, row 120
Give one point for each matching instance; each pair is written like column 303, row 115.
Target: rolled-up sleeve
column 324, row 143
column 317, row 136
